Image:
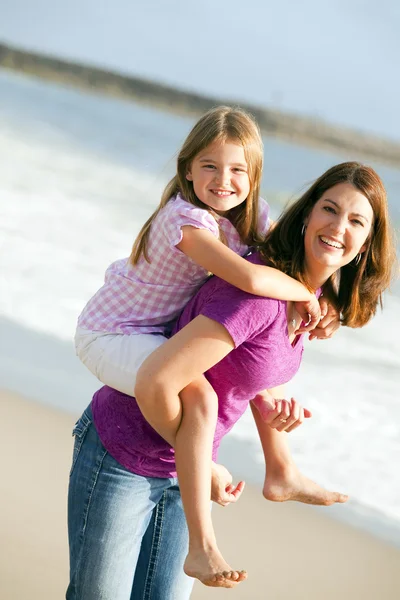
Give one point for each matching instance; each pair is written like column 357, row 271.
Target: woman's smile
column 331, row 243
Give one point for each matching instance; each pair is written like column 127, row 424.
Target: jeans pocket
column 79, row 433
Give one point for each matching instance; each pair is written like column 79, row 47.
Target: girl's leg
column 193, row 456
column 188, row 423
column 283, row 480
column 115, row 358
column 109, row 510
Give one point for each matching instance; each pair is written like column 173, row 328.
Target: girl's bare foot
column 289, row 484
column 210, row 568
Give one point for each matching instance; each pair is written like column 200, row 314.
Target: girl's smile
column 220, row 176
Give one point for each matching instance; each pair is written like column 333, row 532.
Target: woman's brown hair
column 220, row 124
column 357, row 289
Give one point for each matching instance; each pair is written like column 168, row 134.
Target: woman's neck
column 317, row 276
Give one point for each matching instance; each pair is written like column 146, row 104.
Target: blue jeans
column 127, row 533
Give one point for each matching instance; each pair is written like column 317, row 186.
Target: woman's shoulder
column 244, row 315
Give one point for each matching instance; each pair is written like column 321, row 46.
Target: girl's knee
column 200, row 398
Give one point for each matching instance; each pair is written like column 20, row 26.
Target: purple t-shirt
column 262, row 358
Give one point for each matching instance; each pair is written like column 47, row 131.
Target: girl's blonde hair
column 357, row 289
column 220, row 124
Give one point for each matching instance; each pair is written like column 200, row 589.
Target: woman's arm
column 211, row 254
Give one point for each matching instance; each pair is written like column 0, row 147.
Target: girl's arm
column 211, row 254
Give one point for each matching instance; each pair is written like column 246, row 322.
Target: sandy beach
column 291, row 552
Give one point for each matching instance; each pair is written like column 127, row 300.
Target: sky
column 337, row 60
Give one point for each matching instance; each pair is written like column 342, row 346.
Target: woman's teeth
column 331, row 243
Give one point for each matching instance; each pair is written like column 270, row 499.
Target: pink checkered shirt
column 147, row 297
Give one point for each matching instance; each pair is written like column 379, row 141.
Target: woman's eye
column 358, row 222
column 329, row 209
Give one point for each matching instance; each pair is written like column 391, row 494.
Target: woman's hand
column 223, row 492
column 328, row 325
column 280, row 414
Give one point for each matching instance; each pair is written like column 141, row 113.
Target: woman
column 127, row 531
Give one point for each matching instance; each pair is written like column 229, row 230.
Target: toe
column 342, row 498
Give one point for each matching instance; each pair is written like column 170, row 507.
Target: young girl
column 208, row 217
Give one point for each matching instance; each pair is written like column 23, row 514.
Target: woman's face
column 336, row 229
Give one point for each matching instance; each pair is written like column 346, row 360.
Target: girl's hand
column 282, row 415
column 310, row 313
column 328, row 325
column 223, row 492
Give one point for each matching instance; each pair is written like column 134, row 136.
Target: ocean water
column 79, row 174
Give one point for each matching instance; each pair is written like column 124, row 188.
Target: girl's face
column 336, row 229
column 220, row 176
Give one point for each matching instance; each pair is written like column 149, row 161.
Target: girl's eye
column 209, row 166
column 329, row 209
column 358, row 222
column 239, row 170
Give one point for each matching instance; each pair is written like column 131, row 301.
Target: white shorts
column 115, row 358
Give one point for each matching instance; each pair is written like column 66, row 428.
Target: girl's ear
column 189, row 176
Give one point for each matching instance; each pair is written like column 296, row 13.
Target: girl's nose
column 223, row 176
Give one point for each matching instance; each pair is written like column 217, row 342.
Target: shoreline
column 58, row 381
column 286, row 126
column 292, row 551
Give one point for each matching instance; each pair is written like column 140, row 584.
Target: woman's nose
column 338, row 224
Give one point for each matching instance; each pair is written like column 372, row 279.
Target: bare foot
column 211, row 569
column 290, row 484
